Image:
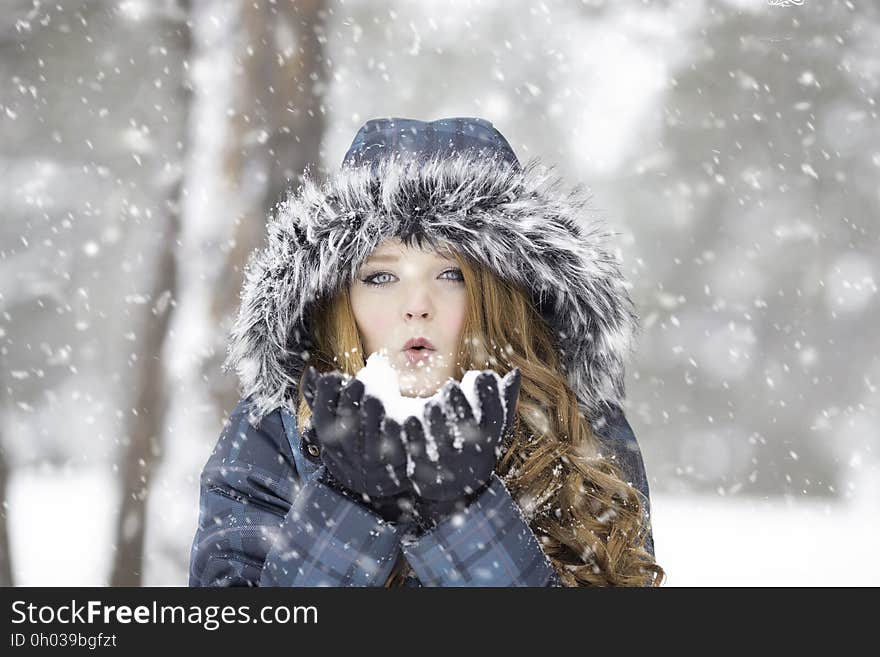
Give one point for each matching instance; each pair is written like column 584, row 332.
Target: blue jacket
column 265, row 519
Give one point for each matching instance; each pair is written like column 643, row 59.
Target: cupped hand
column 453, row 453
column 361, row 447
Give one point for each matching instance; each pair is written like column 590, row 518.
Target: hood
column 518, row 222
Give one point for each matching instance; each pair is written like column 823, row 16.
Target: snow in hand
column 380, row 380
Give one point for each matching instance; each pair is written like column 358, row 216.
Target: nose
column 417, row 302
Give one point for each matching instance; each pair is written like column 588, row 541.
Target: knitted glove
column 451, row 459
column 360, row 447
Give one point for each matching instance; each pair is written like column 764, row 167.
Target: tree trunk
column 281, row 94
column 143, row 445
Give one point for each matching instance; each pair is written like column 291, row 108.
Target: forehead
column 389, row 251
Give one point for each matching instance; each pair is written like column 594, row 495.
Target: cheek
column 453, row 316
column 373, row 320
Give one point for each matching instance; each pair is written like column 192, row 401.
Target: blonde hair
column 591, row 524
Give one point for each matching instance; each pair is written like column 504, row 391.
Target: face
column 404, row 292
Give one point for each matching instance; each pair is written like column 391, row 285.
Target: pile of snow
column 381, row 380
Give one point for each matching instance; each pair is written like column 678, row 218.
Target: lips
column 418, row 349
column 419, row 344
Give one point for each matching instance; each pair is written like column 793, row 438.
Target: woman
column 499, row 271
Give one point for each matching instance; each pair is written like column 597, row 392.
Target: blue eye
column 371, row 280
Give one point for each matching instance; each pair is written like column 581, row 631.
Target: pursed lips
column 418, row 344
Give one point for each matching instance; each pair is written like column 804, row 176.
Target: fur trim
column 514, row 221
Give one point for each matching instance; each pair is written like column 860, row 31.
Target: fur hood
column 515, row 221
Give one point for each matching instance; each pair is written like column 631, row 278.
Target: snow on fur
column 516, row 222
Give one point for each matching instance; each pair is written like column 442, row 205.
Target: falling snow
column 733, row 147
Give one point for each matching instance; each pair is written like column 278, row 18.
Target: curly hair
column 590, row 522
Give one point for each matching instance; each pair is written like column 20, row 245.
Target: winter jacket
column 265, row 517
column 265, row 520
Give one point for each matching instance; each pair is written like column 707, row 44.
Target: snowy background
column 732, row 145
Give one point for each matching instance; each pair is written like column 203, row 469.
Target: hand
column 361, row 448
column 452, row 463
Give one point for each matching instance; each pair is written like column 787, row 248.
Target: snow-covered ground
column 717, row 541
column 61, row 523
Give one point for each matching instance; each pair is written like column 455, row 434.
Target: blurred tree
column 91, row 186
column 276, row 127
column 142, row 453
column 276, row 121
